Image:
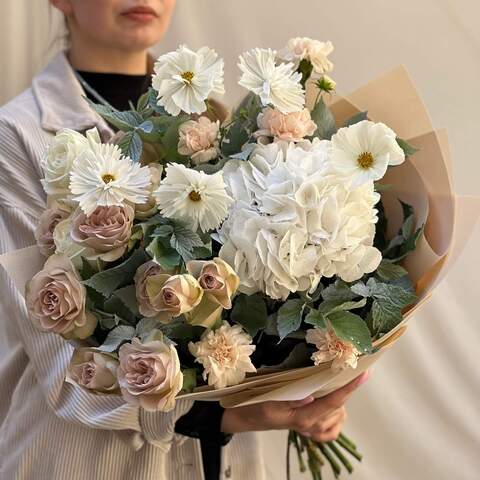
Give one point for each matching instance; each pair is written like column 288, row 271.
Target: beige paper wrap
column 424, row 181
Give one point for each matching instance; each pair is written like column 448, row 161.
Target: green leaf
column 131, row 145
column 331, row 306
column 408, row 149
column 163, row 231
column 128, row 296
column 106, row 281
column 289, row 317
column 386, row 315
column 86, row 271
column 305, row 68
column 361, row 289
column 250, row 311
column 189, row 379
column 352, row 328
column 316, row 318
column 146, row 325
column 358, row 117
column 184, row 240
column 119, row 335
column 124, row 121
column 324, row 120
column 178, row 329
column 163, row 254
column 115, row 306
column 338, row 291
column 390, row 271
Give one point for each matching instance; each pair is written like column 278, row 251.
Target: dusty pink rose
column 141, row 275
column 45, row 228
column 106, row 231
column 199, row 140
column 173, row 295
column 55, row 299
column 291, row 127
column 149, row 374
column 94, row 370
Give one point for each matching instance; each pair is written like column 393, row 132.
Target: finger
column 300, row 403
column 329, row 435
column 325, row 425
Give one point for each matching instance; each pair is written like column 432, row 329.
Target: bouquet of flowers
column 272, row 254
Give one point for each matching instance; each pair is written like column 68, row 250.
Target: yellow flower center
column 107, row 178
column 365, row 160
column 187, row 76
column 194, row 196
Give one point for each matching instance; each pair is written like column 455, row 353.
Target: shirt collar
column 59, row 97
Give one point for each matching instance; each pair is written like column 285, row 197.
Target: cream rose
column 173, row 295
column 141, row 275
column 64, row 149
column 49, row 219
column 199, row 140
column 106, row 231
column 94, row 370
column 291, row 127
column 149, row 374
column 55, row 299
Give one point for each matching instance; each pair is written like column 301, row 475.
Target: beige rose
column 149, row 374
column 55, row 299
column 217, row 278
column 94, row 370
column 141, row 275
column 106, row 231
column 291, row 127
column 49, row 219
column 173, row 295
column 199, row 140
column 149, row 208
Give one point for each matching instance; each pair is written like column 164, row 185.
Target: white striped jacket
column 50, row 429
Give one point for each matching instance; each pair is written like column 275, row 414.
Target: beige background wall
column 418, row 417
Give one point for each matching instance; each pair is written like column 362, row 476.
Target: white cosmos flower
column 193, row 196
column 277, row 85
column 184, row 79
column 102, row 176
column 224, row 354
column 364, row 151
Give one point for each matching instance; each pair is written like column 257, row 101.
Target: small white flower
column 101, row 176
column 364, row 150
column 193, row 196
column 224, row 354
column 316, row 52
column 184, row 79
column 277, row 85
column 60, row 155
column 330, row 347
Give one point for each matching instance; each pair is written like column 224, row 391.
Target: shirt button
column 228, row 472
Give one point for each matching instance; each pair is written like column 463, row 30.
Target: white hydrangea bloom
column 294, row 220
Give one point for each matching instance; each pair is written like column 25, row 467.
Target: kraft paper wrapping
column 424, row 181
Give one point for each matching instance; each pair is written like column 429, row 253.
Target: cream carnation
column 291, row 127
column 314, row 51
column 330, row 347
column 224, row 354
column 199, row 140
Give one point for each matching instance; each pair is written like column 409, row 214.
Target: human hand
column 321, row 419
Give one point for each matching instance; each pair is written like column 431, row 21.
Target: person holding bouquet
column 50, row 428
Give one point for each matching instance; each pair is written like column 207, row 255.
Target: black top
column 204, row 419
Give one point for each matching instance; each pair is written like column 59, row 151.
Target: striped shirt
column 51, row 429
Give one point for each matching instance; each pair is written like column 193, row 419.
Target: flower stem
column 335, row 466
column 340, row 456
column 349, row 448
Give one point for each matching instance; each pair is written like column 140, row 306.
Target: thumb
column 300, row 403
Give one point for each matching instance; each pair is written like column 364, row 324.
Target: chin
column 140, row 41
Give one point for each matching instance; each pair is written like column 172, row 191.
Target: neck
column 107, row 60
